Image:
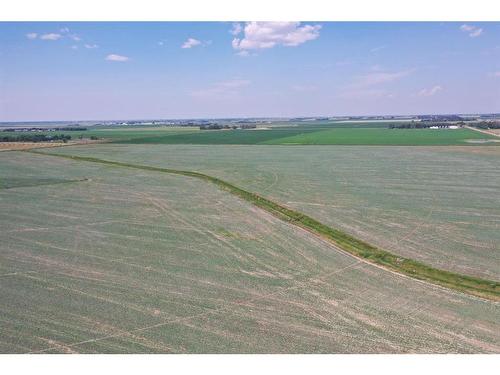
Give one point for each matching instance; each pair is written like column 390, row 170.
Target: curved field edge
column 472, row 285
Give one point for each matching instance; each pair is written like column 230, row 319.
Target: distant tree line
column 35, row 138
column 69, row 129
column 487, row 125
column 215, row 127
column 422, row 125
column 440, row 118
column 226, row 126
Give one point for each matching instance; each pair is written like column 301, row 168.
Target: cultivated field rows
column 439, row 205
column 104, row 259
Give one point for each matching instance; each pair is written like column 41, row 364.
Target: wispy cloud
column 472, row 30
column 376, row 49
column 379, row 77
column 222, row 89
column 75, row 37
column 476, row 33
column 91, row 46
column 430, row 91
column 264, row 35
column 66, row 33
column 51, row 36
column 304, row 88
column 190, row 43
column 236, row 29
column 245, row 53
column 63, row 33
column 343, row 63
column 119, row 58
column 366, row 93
column 496, row 74
column 372, row 84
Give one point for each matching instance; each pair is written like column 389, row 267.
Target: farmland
column 321, row 133
column 115, row 252
column 436, row 205
column 128, row 260
column 249, row 187
column 408, row 137
column 111, row 134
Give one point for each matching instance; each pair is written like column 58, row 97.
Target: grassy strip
column 20, row 183
column 468, row 284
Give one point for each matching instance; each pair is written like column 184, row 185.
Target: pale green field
column 439, row 205
column 97, row 258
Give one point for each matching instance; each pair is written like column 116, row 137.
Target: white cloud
column 190, row 43
column 263, row 35
column 472, row 30
column 237, row 28
column 466, row 28
column 51, row 36
column 91, row 46
column 476, row 33
column 64, row 30
column 31, row 36
column 75, row 37
column 113, row 57
column 222, row 89
column 430, row 92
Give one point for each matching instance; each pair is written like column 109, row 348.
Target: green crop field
column 336, row 136
column 116, row 133
column 438, row 205
column 107, row 259
column 407, row 137
column 312, row 133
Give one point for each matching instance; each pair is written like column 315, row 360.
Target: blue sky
column 86, row 71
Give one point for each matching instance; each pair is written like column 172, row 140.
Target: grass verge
column 472, row 285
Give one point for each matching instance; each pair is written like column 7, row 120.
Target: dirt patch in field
column 482, row 141
column 494, row 131
column 9, row 146
column 16, row 146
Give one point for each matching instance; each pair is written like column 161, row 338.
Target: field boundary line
column 475, row 286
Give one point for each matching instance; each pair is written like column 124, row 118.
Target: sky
column 172, row 70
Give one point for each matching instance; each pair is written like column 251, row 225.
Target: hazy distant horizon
column 261, row 118
column 55, row 71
